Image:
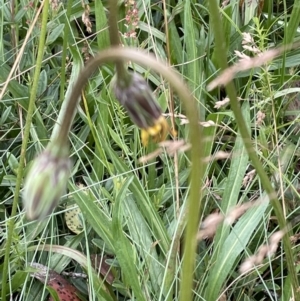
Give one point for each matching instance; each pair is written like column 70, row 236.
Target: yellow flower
column 158, row 132
column 136, row 97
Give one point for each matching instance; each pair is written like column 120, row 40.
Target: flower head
column 46, row 181
column 138, row 100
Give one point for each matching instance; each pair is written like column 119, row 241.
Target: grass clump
column 200, row 216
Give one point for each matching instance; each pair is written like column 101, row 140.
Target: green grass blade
column 141, row 235
column 101, row 26
column 124, row 250
column 92, row 213
column 293, row 23
column 238, row 167
column 143, row 201
column 235, row 243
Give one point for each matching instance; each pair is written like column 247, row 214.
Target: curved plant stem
column 175, row 250
column 118, row 53
column 197, row 170
column 231, row 92
column 32, row 98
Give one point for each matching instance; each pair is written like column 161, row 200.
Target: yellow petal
column 158, row 132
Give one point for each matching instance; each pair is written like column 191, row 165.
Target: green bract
column 137, row 98
column 46, row 181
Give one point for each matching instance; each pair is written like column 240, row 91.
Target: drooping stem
column 197, row 170
column 122, row 76
column 118, row 54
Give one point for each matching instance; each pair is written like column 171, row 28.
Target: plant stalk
column 197, row 170
column 122, row 74
column 231, row 92
column 33, row 91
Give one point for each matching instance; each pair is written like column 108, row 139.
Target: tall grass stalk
column 11, row 222
column 230, row 89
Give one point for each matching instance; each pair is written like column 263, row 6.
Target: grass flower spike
column 46, row 181
column 136, row 97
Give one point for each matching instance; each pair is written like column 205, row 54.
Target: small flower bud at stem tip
column 46, row 181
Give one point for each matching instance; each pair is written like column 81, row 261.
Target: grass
column 140, row 219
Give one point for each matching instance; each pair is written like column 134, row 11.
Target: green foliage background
column 133, row 215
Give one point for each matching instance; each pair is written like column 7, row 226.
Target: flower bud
column 46, row 181
column 138, row 100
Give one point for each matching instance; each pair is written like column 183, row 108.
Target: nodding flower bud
column 46, row 181
column 138, row 100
